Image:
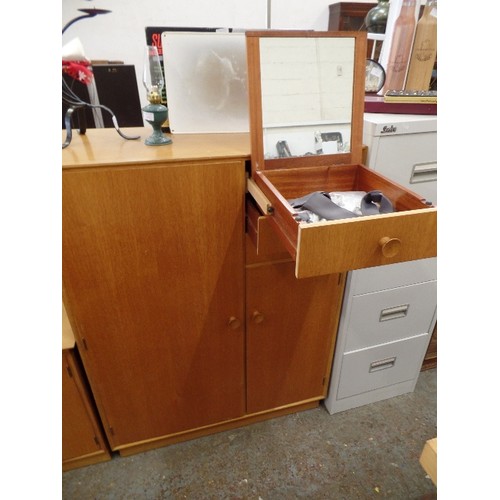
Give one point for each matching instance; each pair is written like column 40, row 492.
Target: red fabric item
column 79, row 70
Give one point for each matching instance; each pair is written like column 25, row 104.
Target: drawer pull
column 424, row 172
column 390, row 246
column 257, row 317
column 394, row 312
column 234, row 323
column 382, row 364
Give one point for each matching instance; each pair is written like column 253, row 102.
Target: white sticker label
column 148, row 116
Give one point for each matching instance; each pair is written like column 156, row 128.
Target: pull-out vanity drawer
column 306, row 118
column 326, row 247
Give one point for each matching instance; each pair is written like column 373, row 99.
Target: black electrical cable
column 75, row 102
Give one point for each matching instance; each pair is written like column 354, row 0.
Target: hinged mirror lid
column 306, row 97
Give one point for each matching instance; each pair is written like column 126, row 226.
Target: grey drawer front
column 374, row 279
column 381, row 317
column 369, row 369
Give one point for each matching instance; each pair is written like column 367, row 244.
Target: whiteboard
column 206, row 82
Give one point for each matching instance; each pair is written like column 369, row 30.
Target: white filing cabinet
column 387, row 319
column 389, row 312
column 404, row 148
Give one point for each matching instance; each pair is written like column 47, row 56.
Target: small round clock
column 375, row 76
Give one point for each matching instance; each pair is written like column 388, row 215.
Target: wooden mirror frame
column 255, row 102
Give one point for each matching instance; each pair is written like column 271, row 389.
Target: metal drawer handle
column 394, row 312
column 424, row 172
column 382, row 364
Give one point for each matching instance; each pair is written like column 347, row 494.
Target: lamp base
column 156, row 115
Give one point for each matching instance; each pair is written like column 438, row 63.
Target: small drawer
column 376, row 367
column 380, row 317
column 409, row 233
column 374, row 279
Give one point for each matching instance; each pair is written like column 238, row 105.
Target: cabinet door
column 82, row 439
column 153, row 271
column 291, row 330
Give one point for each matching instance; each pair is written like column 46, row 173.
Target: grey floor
column 368, row 452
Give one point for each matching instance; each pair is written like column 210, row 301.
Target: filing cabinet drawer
column 376, row 367
column 381, row 317
column 375, row 279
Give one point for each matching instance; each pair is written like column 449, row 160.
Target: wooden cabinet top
column 103, row 147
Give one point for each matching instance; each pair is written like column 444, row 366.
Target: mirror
column 307, row 95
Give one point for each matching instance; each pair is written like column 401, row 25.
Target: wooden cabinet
column 181, row 336
column 82, row 437
column 430, row 359
column 153, row 273
column 348, row 16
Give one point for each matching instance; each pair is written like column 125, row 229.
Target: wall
column 120, row 34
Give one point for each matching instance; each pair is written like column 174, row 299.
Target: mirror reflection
column 307, row 94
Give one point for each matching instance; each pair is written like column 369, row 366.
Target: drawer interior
column 296, row 182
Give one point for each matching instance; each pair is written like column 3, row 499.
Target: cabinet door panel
column 152, row 271
column 290, row 335
column 81, row 432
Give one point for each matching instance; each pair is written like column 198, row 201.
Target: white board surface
column 206, row 82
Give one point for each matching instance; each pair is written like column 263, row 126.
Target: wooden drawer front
column 379, row 278
column 381, row 317
column 376, row 367
column 341, row 245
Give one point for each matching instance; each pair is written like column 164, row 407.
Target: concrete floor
column 368, row 452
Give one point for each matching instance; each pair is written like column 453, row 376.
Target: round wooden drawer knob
column 234, row 322
column 257, row 317
column 390, row 246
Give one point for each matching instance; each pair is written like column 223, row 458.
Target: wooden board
column 428, row 459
